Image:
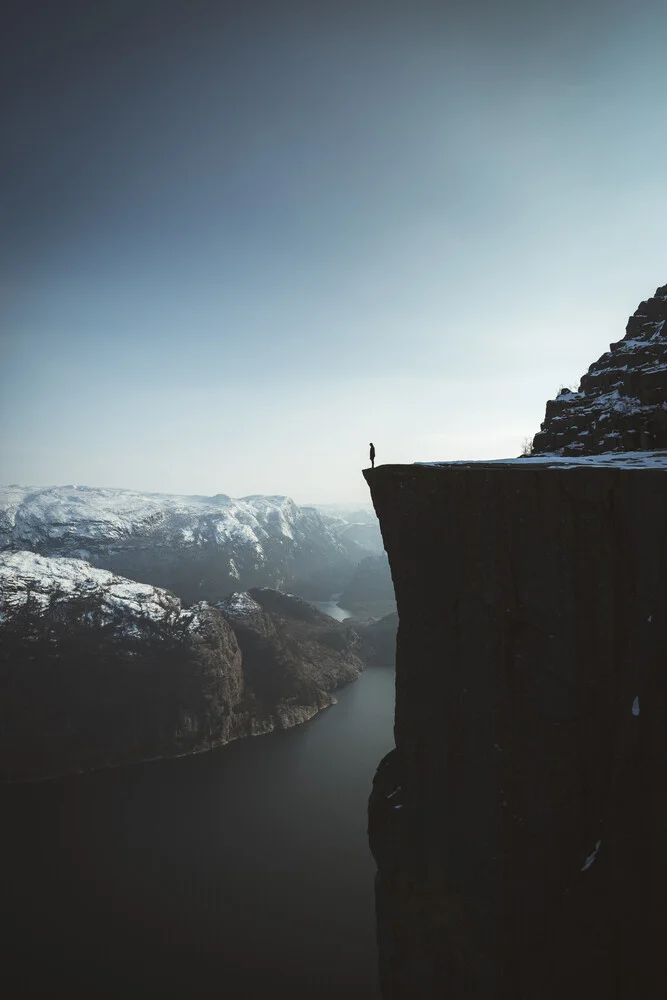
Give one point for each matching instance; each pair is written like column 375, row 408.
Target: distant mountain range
column 201, row 548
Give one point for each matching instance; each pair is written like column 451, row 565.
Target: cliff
column 519, row 825
column 621, row 403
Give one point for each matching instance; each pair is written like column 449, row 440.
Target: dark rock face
column 370, row 592
column 621, row 404
column 519, row 826
column 98, row 670
column 293, row 654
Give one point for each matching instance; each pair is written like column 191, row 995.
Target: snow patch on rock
column 27, row 576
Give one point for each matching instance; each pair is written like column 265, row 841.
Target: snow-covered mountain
column 26, row 577
column 199, row 547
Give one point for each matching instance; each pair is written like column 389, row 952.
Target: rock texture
column 201, row 548
column 293, row 654
column 98, row 670
column 519, row 825
column 621, row 404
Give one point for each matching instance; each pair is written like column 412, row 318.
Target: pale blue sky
column 239, row 245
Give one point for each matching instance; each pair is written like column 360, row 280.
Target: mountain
column 370, row 592
column 292, row 652
column 356, row 527
column 97, row 669
column 621, row 403
column 198, row 547
column 378, row 640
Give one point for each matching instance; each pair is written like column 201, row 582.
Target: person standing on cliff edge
column 372, row 455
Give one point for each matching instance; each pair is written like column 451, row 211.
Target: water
column 237, row 872
column 331, row 608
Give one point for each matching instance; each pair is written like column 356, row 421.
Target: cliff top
column 616, row 460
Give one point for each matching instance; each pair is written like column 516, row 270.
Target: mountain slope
column 198, row 547
column 96, row 669
column 621, row 404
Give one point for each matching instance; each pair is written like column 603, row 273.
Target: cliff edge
column 519, row 825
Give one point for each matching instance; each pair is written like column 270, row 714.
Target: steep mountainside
column 96, row 669
column 292, row 652
column 198, row 547
column 378, row 640
column 621, row 404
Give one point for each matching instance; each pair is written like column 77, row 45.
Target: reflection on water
column 331, row 608
column 234, row 872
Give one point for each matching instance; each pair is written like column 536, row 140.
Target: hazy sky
column 240, row 241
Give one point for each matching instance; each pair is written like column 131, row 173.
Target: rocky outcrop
column 98, row 670
column 621, row 404
column 293, row 654
column 201, row 548
column 519, row 825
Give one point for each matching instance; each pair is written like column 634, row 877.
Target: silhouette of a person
column 372, row 455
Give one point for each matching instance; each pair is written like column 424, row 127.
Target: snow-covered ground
column 28, row 576
column 615, row 460
column 239, row 605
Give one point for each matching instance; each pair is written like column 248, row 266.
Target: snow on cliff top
column 44, row 576
column 239, row 605
column 615, row 460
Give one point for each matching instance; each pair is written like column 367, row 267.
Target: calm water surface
column 234, row 873
column 331, row 608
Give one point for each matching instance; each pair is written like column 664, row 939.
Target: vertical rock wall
column 520, row 825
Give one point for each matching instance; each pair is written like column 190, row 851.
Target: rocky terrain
column 200, row 548
column 97, row 669
column 293, row 654
column 621, row 403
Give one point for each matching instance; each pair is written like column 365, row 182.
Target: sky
column 240, row 241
